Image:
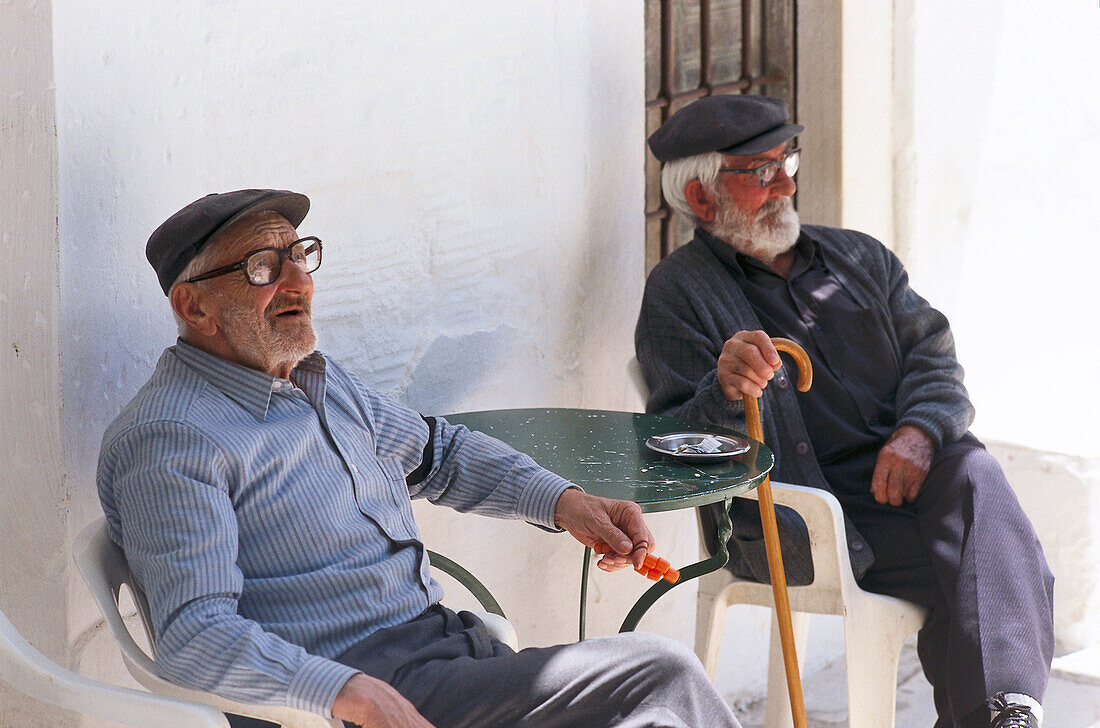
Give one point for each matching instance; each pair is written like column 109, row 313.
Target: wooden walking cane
column 771, row 536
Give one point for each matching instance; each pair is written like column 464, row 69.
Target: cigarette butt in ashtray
column 653, row 568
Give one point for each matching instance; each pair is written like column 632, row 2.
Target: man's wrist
column 910, row 430
column 315, row 686
column 564, row 497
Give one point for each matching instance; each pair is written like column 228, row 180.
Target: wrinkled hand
column 617, row 523
column 747, row 363
column 902, row 466
column 371, row 703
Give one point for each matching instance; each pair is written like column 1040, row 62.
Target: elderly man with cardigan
column 930, row 516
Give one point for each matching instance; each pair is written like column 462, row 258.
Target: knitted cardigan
column 692, row 305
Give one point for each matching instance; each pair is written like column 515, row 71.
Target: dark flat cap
column 180, row 238
column 737, row 124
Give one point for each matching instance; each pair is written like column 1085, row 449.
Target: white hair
column 676, row 174
column 194, row 267
column 200, row 263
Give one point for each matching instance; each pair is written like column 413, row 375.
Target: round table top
column 604, row 452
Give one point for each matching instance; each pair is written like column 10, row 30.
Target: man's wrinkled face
column 266, row 326
column 758, row 221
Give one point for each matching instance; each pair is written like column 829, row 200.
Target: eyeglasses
column 262, row 267
column 767, row 172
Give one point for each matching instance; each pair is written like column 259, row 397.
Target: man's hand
column 902, row 466
column 747, row 363
column 371, row 703
column 617, row 523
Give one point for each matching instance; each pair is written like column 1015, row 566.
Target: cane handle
column 805, row 369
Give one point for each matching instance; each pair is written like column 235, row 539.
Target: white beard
column 766, row 236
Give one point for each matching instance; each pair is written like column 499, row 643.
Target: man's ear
column 702, row 204
column 194, row 305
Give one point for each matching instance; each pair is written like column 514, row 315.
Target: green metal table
column 604, row 452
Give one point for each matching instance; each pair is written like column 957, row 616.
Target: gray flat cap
column 739, row 124
column 180, row 238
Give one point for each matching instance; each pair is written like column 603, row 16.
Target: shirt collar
column 806, row 248
column 249, row 388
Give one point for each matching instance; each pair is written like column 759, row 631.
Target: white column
column 850, row 98
column 34, row 559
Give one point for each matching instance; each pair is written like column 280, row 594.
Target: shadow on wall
column 455, row 370
column 114, row 318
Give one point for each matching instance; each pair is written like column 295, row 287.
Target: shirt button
column 802, row 448
column 781, row 382
column 857, row 545
column 355, row 469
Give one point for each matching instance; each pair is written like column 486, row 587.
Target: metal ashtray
column 692, row 446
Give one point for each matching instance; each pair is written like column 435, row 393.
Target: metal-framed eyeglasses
column 262, row 267
column 767, row 172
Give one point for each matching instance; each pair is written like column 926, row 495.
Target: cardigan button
column 856, row 545
column 781, row 382
column 802, row 448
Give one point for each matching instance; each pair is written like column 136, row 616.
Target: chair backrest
column 104, row 568
column 32, row 673
column 637, row 378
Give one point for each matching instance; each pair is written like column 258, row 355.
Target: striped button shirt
column 270, row 522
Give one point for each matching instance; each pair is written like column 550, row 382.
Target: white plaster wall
column 476, row 173
column 1006, row 129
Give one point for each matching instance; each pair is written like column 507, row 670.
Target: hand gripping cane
column 771, row 536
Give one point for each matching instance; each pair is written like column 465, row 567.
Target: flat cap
column 737, row 124
column 180, row 238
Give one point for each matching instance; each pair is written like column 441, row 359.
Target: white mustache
column 282, row 303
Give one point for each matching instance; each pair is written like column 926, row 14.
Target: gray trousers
column 965, row 549
column 456, row 675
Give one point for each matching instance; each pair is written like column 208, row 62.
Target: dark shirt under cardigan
column 882, row 358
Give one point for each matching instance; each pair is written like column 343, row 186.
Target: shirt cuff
column 539, row 499
column 315, row 686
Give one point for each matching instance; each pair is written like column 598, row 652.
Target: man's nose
column 783, row 185
column 294, row 280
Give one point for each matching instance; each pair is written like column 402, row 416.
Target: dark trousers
column 457, row 676
column 965, row 550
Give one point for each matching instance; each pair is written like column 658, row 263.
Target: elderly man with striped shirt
column 261, row 493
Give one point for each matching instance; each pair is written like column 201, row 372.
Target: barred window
column 697, row 48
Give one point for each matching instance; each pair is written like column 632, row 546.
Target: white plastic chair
column 875, row 626
column 105, row 570
column 33, row 674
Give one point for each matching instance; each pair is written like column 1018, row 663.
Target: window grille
column 697, row 48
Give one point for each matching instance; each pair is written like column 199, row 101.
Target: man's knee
column 961, row 472
column 661, row 655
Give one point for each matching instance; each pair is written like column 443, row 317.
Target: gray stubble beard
column 255, row 335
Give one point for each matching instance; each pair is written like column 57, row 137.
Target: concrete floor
column 1068, row 704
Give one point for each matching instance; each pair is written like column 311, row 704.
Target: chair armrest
column 825, row 523
column 143, row 670
column 32, row 673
